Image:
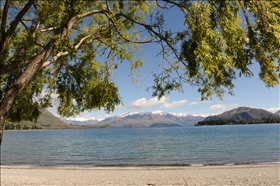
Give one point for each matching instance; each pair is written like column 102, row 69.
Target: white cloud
column 194, row 103
column 174, row 104
column 144, row 103
column 273, row 110
column 120, row 107
column 218, row 106
column 222, row 106
column 198, row 102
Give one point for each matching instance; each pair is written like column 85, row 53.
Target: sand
column 261, row 174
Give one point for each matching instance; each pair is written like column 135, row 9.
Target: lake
column 204, row 145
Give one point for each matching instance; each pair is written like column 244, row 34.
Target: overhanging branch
column 73, row 20
column 122, row 36
column 48, row 29
column 4, row 17
column 60, row 54
column 10, row 68
column 6, row 36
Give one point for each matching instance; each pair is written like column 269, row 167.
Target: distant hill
column 46, row 121
column 155, row 125
column 278, row 113
column 145, row 119
column 241, row 115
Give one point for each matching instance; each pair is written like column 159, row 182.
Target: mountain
column 145, row 119
column 278, row 113
column 82, row 122
column 243, row 113
column 46, row 121
column 240, row 114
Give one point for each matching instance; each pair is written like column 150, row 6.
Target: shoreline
column 250, row 174
column 139, row 165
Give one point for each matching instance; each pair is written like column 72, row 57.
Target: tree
column 18, row 127
column 7, row 126
column 52, row 47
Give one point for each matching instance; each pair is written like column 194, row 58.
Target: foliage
column 71, row 48
column 238, row 122
column 10, row 127
column 18, row 127
column 25, row 127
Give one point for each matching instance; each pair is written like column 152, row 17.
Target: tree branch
column 181, row 7
column 24, row 25
column 164, row 7
column 37, row 27
column 73, row 20
column 48, row 29
column 246, row 18
column 60, row 54
column 162, row 38
column 11, row 30
column 122, row 36
column 67, row 28
column 10, row 68
column 4, row 18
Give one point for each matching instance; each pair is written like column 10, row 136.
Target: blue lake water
column 143, row 146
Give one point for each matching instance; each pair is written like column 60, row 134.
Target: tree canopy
column 53, row 46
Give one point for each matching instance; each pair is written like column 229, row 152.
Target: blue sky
column 250, row 92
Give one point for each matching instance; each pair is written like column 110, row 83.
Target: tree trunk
column 22, row 81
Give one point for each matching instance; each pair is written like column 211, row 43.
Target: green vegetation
column 165, row 125
column 238, row 122
column 19, row 127
column 46, row 125
column 52, row 47
column 46, row 121
column 12, row 127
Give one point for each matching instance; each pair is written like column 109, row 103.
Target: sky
column 250, row 92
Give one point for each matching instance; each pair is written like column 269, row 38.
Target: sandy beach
column 262, row 174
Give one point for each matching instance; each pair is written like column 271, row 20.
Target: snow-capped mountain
column 145, row 119
column 142, row 119
column 154, row 112
column 80, row 122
